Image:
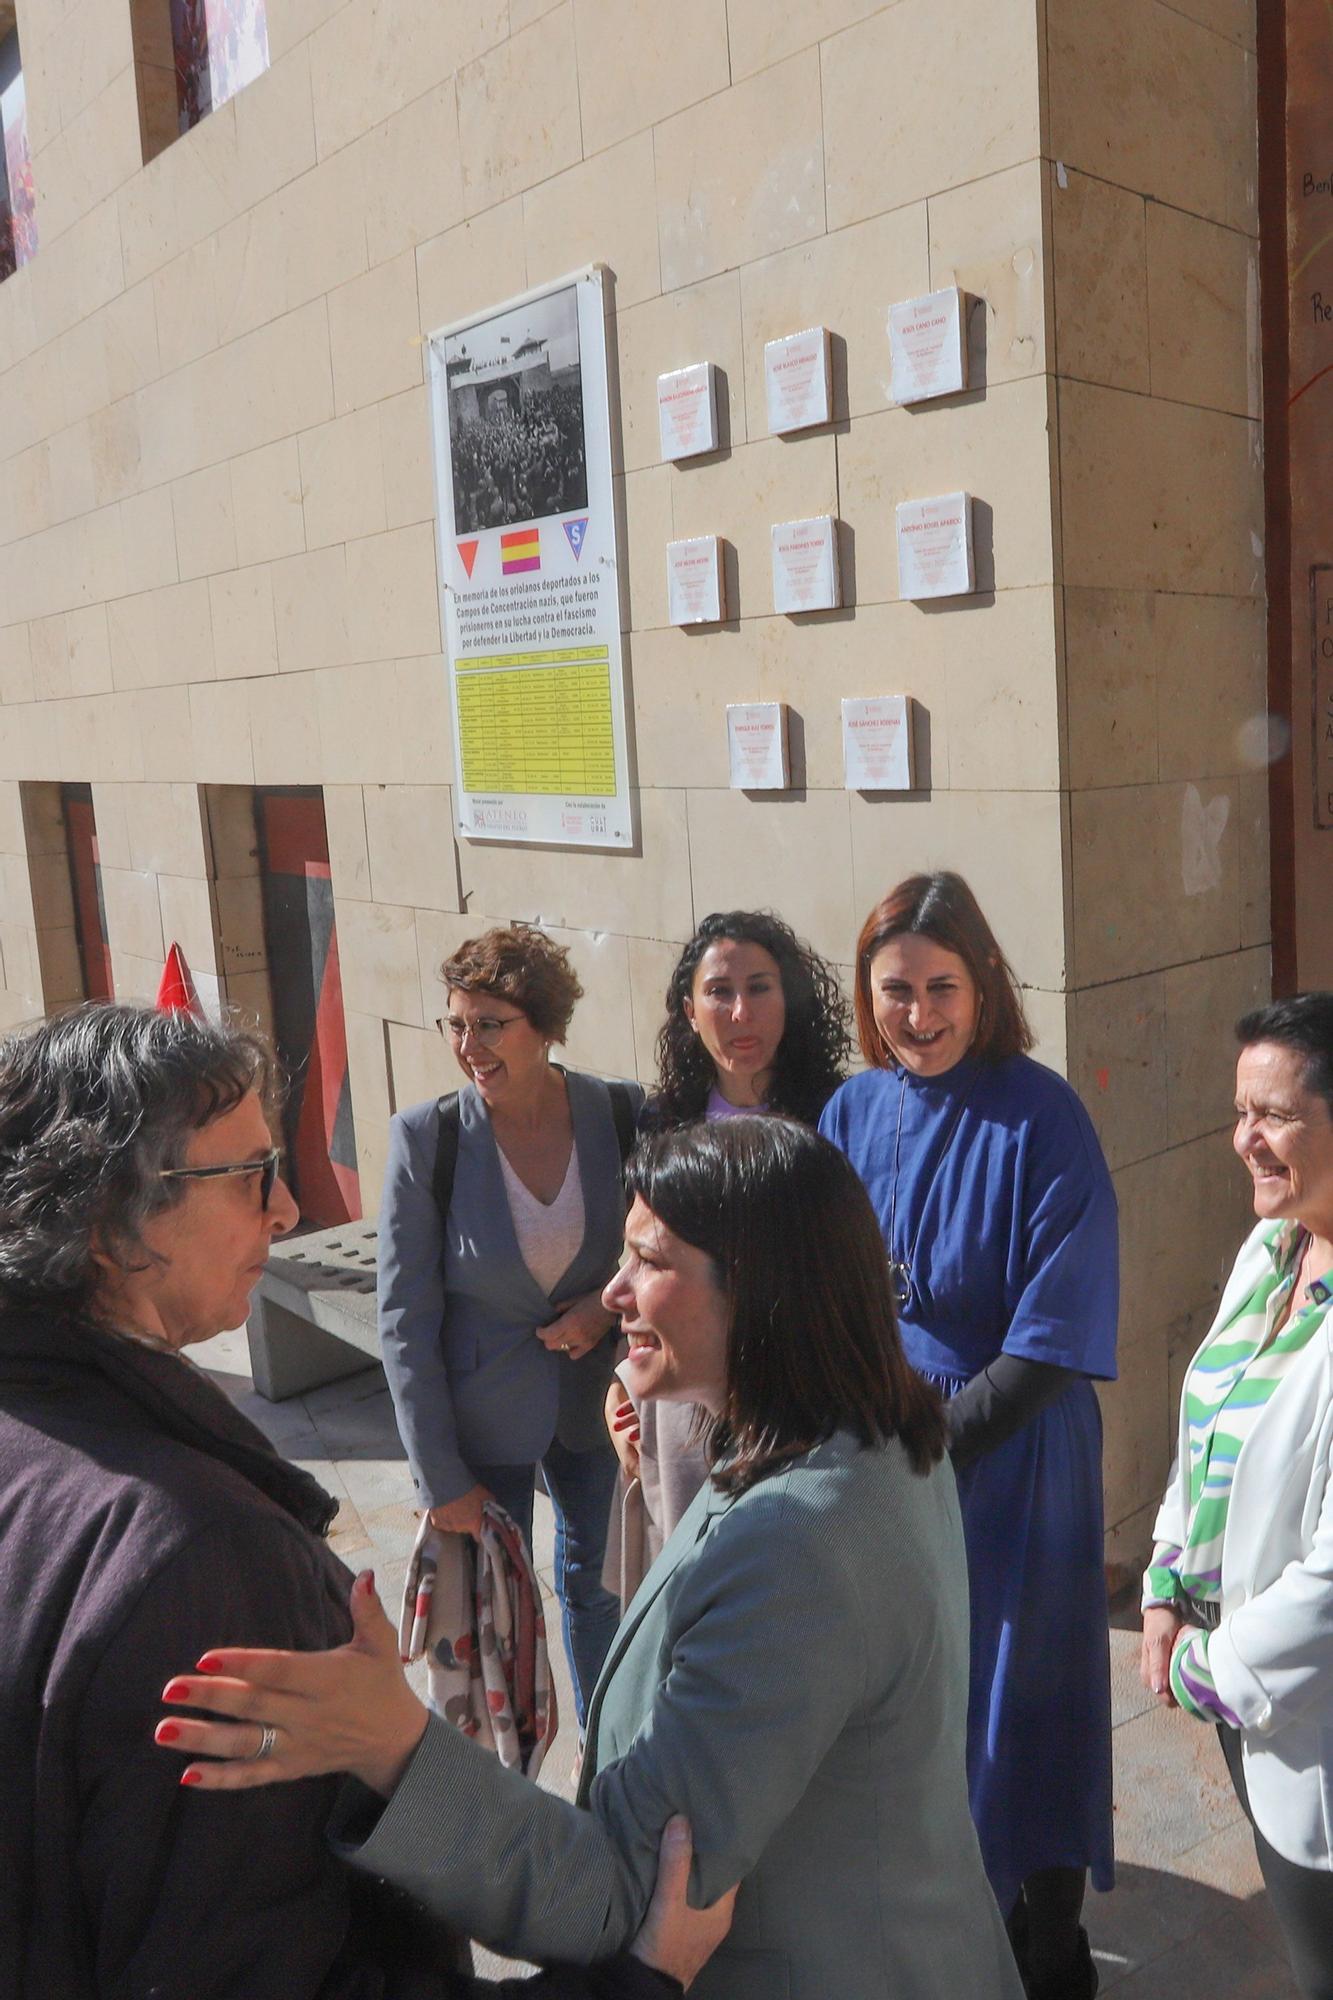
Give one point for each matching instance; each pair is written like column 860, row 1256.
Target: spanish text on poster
column 528, row 570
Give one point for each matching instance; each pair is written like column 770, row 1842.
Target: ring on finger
column 267, row 1740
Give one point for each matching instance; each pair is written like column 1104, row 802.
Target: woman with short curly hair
column 490, row 1271
column 755, row 1021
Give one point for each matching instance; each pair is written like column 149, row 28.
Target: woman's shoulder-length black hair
column 816, row 1044
column 812, row 1343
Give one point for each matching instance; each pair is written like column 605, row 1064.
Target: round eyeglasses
column 487, row 1030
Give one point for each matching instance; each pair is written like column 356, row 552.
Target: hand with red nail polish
column 346, row 1710
column 622, row 1420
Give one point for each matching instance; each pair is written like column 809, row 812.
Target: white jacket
column 1272, row 1655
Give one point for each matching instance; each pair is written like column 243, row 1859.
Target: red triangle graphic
column 467, row 555
column 175, row 993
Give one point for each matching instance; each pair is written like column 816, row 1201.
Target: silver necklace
column 901, row 1281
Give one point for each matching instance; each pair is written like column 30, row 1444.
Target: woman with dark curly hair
column 755, row 1021
column 141, row 1514
column 500, row 1222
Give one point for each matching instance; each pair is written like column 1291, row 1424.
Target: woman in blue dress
column 1000, row 1221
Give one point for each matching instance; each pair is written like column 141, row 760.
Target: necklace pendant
column 900, row 1283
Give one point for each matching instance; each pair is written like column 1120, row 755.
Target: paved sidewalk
column 1188, row 1917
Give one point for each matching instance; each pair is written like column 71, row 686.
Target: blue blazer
column 458, row 1307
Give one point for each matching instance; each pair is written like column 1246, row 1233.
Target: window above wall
column 18, row 204
column 190, row 57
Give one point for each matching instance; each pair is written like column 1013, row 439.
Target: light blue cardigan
column 471, row 1383
column 793, row 1676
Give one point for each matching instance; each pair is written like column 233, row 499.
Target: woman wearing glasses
column 491, row 1269
column 141, row 1512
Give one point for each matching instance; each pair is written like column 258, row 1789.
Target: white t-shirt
column 549, row 1234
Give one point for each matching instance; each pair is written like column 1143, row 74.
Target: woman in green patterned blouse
column 1238, row 1598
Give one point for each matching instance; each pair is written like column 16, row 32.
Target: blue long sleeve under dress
column 1006, row 1215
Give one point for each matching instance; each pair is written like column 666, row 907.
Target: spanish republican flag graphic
column 519, row 551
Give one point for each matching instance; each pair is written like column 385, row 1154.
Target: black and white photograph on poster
column 529, row 569
column 516, row 443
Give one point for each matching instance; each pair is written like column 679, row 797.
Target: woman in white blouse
column 1238, row 1599
column 501, row 1221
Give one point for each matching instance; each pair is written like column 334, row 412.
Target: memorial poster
column 687, row 411
column 798, row 380
column 805, row 565
column 757, row 746
column 877, row 745
column 694, row 581
column 929, row 347
column 528, row 570
column 935, row 546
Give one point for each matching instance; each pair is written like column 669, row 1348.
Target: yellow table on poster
column 537, row 721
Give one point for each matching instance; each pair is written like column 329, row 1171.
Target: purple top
column 718, row 1107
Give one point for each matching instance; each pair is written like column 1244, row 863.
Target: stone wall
column 1153, row 252
column 217, row 564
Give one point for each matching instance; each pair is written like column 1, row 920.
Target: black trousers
column 1045, row 1931
column 1302, row 1898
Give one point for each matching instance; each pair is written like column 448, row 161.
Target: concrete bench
column 312, row 1317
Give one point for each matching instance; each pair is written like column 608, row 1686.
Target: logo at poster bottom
column 520, row 551
column 577, row 532
column 467, row 555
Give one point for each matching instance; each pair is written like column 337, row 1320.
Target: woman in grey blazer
column 793, row 1672
column 501, row 1220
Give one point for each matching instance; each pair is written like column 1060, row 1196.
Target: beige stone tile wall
column 217, row 566
column 1153, row 254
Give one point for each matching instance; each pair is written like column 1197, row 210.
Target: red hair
column 942, row 907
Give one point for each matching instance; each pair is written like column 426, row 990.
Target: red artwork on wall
column 18, row 204
column 220, row 45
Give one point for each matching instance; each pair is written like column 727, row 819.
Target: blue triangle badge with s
column 577, row 532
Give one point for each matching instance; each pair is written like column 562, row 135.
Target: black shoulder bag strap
column 446, row 1153
column 446, row 1143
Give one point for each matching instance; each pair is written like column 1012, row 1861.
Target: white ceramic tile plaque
column 687, row 410
column 877, row 743
column 757, row 745
column 694, row 581
column 935, row 546
column 798, row 380
column 805, row 565
column 929, row 346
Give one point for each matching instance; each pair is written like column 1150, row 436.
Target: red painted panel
column 85, row 874
column 309, row 1028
